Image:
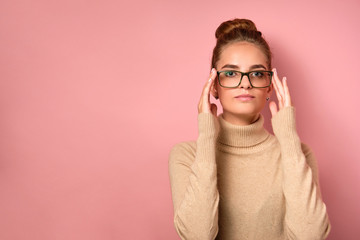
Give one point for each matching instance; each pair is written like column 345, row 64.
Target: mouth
column 245, row 97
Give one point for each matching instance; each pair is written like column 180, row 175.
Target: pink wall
column 93, row 94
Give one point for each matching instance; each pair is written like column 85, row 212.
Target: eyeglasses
column 232, row 78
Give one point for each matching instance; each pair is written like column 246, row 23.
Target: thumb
column 273, row 108
column 214, row 109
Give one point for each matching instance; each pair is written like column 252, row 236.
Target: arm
column 306, row 216
column 194, row 184
column 193, row 176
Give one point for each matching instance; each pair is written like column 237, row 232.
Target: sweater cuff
column 207, row 125
column 285, row 131
column 283, row 123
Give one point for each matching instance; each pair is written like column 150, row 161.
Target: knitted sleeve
column 306, row 216
column 192, row 171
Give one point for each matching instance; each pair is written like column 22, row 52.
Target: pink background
column 93, row 95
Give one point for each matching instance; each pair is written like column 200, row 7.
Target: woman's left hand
column 282, row 94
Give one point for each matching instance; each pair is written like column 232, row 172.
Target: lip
column 245, row 97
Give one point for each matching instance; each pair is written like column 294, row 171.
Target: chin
column 247, row 109
column 242, row 113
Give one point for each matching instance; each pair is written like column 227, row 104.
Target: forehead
column 242, row 54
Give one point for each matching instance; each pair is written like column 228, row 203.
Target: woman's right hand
column 204, row 105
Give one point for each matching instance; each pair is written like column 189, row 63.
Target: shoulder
column 183, row 150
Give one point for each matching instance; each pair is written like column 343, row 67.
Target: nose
column 245, row 82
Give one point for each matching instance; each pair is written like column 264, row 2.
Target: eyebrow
column 237, row 67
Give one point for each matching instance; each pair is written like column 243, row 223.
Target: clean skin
column 237, row 108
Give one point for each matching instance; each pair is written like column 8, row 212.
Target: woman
column 237, row 181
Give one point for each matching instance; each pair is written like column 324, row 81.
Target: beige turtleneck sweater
column 241, row 182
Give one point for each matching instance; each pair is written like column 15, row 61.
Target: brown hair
column 239, row 30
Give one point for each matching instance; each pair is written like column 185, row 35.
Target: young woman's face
column 243, row 101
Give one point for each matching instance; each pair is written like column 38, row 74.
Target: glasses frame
column 245, row 74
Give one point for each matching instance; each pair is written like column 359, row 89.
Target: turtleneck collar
column 242, row 136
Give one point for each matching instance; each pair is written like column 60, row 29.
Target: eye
column 230, row 74
column 257, row 74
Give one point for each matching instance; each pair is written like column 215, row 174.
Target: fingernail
column 210, row 79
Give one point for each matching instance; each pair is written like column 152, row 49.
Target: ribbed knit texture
column 243, row 139
column 241, row 182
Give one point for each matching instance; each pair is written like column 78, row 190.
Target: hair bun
column 241, row 24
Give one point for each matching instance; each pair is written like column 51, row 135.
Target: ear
column 269, row 90
column 214, row 89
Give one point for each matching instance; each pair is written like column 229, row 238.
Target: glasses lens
column 260, row 78
column 229, row 78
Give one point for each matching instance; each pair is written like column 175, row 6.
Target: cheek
column 262, row 94
column 223, row 93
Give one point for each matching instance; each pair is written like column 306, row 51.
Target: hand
column 204, row 105
column 282, row 94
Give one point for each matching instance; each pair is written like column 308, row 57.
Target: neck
column 240, row 119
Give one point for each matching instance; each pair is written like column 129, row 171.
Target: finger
column 276, row 90
column 281, row 87
column 204, row 103
column 279, row 84
column 273, row 108
column 283, row 95
column 287, row 93
column 280, row 90
column 277, row 93
column 209, row 83
column 275, row 84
